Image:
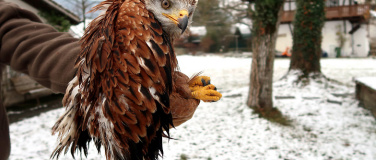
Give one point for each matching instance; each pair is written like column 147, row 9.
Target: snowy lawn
column 320, row 129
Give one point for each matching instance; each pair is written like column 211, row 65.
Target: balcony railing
column 353, row 12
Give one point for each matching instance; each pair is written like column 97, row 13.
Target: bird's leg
column 208, row 93
column 203, row 90
column 199, row 82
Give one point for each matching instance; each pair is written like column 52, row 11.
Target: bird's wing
column 120, row 96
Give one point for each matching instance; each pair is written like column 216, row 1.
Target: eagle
column 128, row 91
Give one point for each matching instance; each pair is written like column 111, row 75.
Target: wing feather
column 120, row 96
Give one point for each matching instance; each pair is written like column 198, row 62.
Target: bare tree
column 240, row 10
column 217, row 23
column 266, row 19
column 263, row 17
column 82, row 7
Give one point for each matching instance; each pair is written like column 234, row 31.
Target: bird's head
column 174, row 15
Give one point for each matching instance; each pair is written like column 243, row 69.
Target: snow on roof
column 373, row 13
column 199, row 30
column 368, row 81
column 244, row 29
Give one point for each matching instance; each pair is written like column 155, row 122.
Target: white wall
column 372, row 28
column 330, row 37
column 284, row 39
column 361, row 42
column 329, row 41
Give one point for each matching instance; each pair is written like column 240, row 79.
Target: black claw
column 208, row 81
column 215, row 88
column 203, row 82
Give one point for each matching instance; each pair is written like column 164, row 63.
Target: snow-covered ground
column 320, row 129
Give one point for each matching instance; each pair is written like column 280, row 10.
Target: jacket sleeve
column 49, row 56
column 182, row 105
column 36, row 49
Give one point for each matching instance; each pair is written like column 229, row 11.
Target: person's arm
column 49, row 57
column 36, row 49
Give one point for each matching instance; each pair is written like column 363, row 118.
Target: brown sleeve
column 36, row 49
column 183, row 106
column 4, row 127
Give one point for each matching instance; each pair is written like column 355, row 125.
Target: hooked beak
column 183, row 23
column 181, row 20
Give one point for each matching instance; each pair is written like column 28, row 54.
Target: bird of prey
column 128, row 92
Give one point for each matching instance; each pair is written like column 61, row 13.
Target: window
column 332, row 3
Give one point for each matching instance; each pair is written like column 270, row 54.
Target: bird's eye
column 166, row 4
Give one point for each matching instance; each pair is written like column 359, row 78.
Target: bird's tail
column 68, row 125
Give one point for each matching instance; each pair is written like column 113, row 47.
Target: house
column 37, row 6
column 190, row 42
column 17, row 87
column 241, row 40
column 237, row 40
column 346, row 24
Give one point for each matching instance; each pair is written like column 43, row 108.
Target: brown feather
column 120, row 95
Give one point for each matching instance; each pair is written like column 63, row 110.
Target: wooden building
column 17, row 87
column 348, row 19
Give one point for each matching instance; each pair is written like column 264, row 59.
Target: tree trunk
column 261, row 87
column 306, row 50
column 265, row 29
column 83, row 10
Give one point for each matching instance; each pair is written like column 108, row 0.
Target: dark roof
column 51, row 5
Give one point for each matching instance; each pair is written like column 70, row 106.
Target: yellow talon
column 195, row 88
column 203, row 90
column 199, row 82
column 207, row 94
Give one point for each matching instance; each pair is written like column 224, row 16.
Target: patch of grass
column 307, row 129
column 183, row 157
column 272, row 115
